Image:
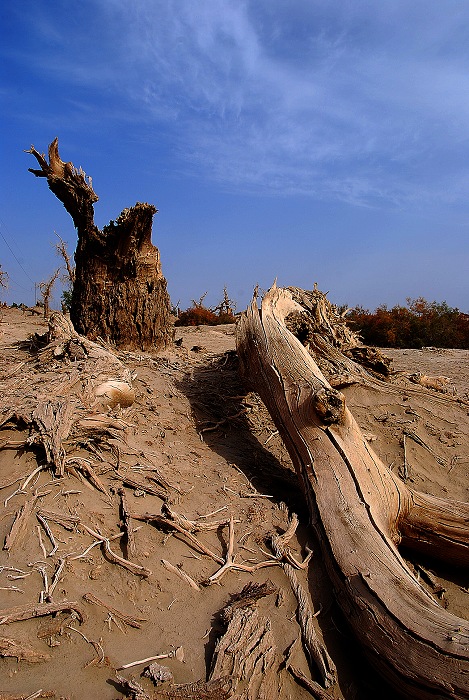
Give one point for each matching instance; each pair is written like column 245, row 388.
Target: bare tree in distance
column 46, row 288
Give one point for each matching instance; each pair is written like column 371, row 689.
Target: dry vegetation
column 128, row 542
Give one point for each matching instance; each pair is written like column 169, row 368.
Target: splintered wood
column 248, row 654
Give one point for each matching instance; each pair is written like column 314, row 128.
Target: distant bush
column 200, row 315
column 419, row 324
column 66, row 300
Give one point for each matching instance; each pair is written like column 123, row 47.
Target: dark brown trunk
column 119, row 292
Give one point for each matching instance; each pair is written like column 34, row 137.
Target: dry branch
column 127, row 619
column 127, row 523
column 69, row 522
column 160, row 520
column 115, row 558
column 316, row 650
column 231, row 564
column 310, row 685
column 182, row 574
column 27, row 612
column 141, row 485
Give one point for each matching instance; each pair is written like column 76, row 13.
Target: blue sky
column 310, row 140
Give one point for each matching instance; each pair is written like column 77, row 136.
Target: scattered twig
column 127, row 522
column 46, row 527
column 99, row 541
column 214, row 512
column 56, row 577
column 161, row 520
column 192, row 525
column 127, row 619
column 141, row 485
column 182, row 574
column 416, row 438
column 96, row 646
column 224, row 421
column 85, row 466
column 177, row 653
column 41, row 543
column 115, row 558
column 69, row 522
column 272, row 435
column 229, row 562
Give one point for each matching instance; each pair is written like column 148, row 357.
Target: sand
column 194, row 424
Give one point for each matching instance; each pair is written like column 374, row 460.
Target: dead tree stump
column 119, row 293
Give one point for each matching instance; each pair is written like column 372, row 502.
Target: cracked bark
column 361, row 512
column 119, row 292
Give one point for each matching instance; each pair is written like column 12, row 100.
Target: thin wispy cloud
column 318, row 99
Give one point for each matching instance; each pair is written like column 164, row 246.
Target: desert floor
column 195, row 425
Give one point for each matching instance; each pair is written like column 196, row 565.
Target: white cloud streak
column 362, row 102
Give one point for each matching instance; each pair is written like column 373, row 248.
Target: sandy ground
column 194, row 424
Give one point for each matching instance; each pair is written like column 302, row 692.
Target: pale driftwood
column 49, row 534
column 316, row 650
column 247, row 654
column 127, row 619
column 178, row 654
column 30, row 696
column 361, row 511
column 27, row 612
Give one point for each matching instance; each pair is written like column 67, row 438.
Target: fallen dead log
column 361, row 512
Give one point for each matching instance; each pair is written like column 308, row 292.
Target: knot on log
column 329, row 405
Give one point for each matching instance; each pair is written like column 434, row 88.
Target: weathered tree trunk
column 361, row 512
column 119, row 292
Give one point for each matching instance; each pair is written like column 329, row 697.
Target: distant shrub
column 200, row 315
column 66, row 300
column 419, row 324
